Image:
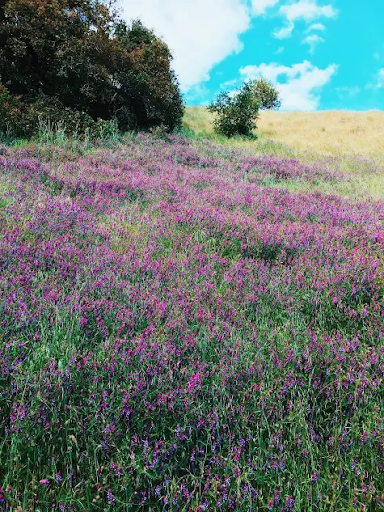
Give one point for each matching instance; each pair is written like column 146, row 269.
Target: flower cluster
column 177, row 335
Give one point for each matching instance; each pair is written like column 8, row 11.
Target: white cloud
column 379, row 84
column 199, row 33
column 279, row 50
column 348, row 91
column 284, row 32
column 313, row 40
column 302, row 84
column 260, row 6
column 306, row 10
column 268, row 71
column 316, row 26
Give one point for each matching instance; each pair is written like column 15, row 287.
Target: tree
column 148, row 91
column 43, row 43
column 237, row 112
column 266, row 94
column 79, row 54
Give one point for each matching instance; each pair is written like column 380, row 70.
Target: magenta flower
column 110, row 496
column 193, row 383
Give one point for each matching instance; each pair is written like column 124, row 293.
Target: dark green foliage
column 148, row 91
column 236, row 113
column 266, row 94
column 45, row 113
column 50, row 47
column 77, row 56
column 10, row 112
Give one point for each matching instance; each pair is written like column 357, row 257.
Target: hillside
column 188, row 326
column 349, row 141
column 333, row 132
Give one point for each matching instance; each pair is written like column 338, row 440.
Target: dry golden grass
column 332, row 132
column 353, row 141
column 327, row 132
column 198, row 119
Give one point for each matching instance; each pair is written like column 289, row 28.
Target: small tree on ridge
column 236, row 113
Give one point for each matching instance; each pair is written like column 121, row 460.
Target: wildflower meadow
column 180, row 331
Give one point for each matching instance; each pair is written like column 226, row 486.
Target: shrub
column 10, row 113
column 20, row 119
column 148, row 92
column 236, row 113
column 51, row 112
column 45, row 116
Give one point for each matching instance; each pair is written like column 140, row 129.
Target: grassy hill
column 333, row 132
column 190, row 326
column 349, row 141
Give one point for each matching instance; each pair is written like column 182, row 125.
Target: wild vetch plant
column 178, row 335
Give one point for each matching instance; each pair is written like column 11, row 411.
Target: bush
column 148, row 91
column 10, row 114
column 24, row 119
column 45, row 116
column 236, row 113
column 51, row 112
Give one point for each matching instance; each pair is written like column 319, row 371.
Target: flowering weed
column 177, row 335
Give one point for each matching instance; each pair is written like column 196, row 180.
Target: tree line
column 77, row 61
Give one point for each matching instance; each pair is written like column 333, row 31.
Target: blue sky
column 320, row 54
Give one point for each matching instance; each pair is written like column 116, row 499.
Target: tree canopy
column 266, row 94
column 237, row 112
column 80, row 53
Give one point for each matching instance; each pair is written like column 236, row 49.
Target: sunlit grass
column 353, row 142
column 331, row 132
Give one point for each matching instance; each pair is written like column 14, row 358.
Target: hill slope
column 333, row 132
column 349, row 141
column 181, row 332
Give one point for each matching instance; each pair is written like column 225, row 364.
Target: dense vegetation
column 180, row 332
column 266, row 94
column 237, row 111
column 75, row 61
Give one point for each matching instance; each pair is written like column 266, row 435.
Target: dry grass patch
column 331, row 132
column 327, row 132
column 352, row 142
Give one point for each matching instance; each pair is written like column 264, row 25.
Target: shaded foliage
column 10, row 110
column 148, row 91
column 82, row 55
column 25, row 119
